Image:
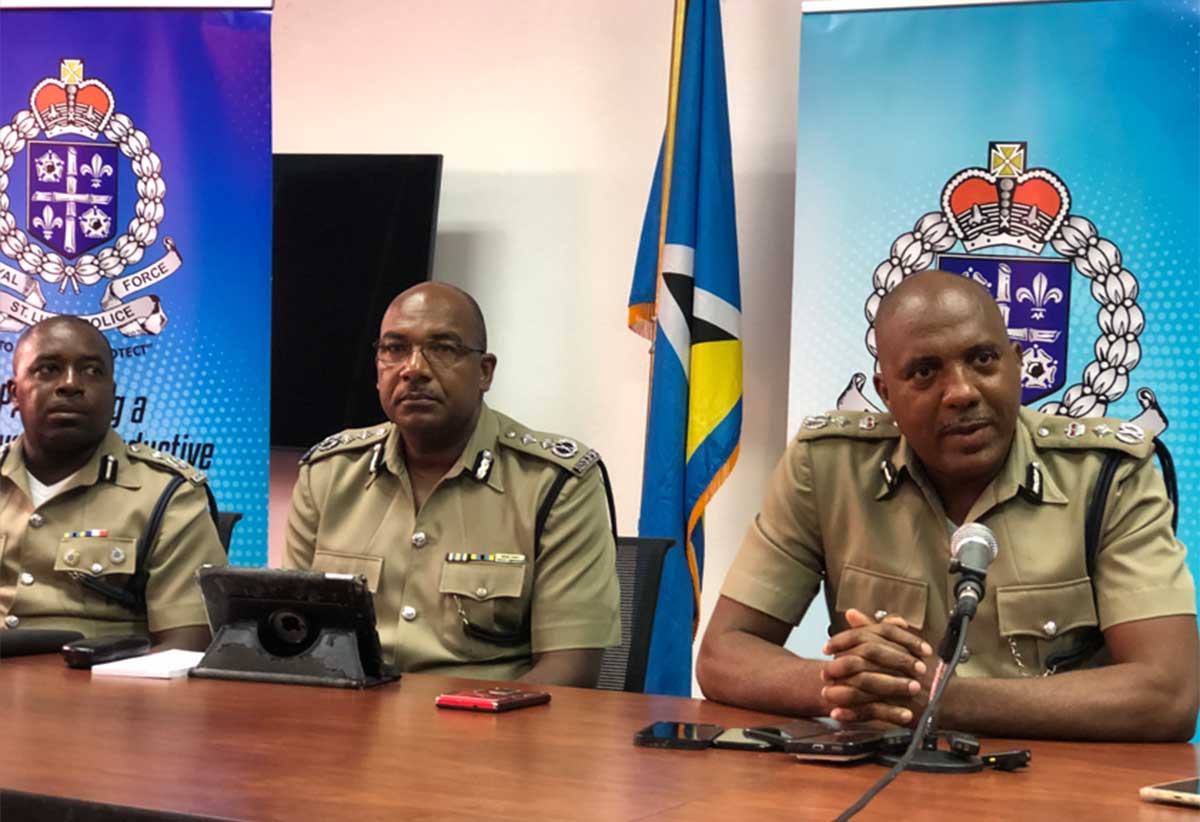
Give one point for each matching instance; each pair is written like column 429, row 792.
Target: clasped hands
column 880, row 670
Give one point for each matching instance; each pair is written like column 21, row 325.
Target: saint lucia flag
column 693, row 314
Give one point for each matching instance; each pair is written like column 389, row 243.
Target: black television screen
column 350, row 232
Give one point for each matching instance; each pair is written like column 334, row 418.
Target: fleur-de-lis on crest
column 97, row 168
column 1040, row 296
column 47, row 222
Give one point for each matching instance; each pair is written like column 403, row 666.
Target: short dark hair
column 29, row 335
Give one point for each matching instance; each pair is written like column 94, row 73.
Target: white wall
column 549, row 114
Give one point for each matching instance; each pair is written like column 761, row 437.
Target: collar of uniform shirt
column 486, row 435
column 1013, row 474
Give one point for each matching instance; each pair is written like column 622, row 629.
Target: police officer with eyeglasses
column 488, row 546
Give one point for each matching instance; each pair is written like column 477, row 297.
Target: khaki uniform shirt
column 429, row 570
column 850, row 505
column 44, row 550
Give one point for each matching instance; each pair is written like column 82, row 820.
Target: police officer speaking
column 1062, row 646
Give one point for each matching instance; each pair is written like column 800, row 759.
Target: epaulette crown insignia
column 163, row 459
column 869, row 425
column 352, row 439
column 570, row 454
column 1092, row 432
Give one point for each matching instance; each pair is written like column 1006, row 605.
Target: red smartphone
column 492, row 700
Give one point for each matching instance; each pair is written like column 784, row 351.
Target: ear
column 10, row 388
column 487, row 367
column 881, row 388
column 1016, row 347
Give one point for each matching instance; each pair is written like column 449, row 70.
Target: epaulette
column 856, row 425
column 161, row 459
column 568, row 453
column 1048, row 431
column 352, row 439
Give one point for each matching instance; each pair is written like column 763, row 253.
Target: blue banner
column 1059, row 164
column 135, row 148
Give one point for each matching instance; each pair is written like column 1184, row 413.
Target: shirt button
column 880, row 615
column 118, row 556
column 11, row 621
column 408, row 612
column 70, row 557
column 966, row 654
column 481, row 592
column 419, row 539
column 26, row 578
column 1050, row 627
column 97, row 567
column 36, row 520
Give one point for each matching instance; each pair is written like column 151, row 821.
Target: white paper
column 162, row 665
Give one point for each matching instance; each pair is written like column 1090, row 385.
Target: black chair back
column 639, row 570
column 225, row 522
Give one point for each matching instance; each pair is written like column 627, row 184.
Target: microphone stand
column 937, row 761
column 923, row 753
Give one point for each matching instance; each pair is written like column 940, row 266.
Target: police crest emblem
column 1008, row 204
column 76, row 144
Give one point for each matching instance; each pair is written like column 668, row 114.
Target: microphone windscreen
column 26, row 641
column 977, row 541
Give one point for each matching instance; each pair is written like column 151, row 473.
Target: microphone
column 972, row 549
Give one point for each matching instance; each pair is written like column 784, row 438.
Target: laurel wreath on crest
column 1106, row 378
column 110, row 261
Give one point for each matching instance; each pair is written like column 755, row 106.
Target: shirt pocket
column 333, row 562
column 878, row 595
column 97, row 557
column 485, row 602
column 1049, row 627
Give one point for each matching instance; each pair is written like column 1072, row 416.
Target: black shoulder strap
column 539, row 524
column 1093, row 524
column 133, row 595
column 1093, row 519
column 1167, row 463
column 612, row 504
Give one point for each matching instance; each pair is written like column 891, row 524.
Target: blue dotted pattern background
column 198, row 83
column 1106, row 94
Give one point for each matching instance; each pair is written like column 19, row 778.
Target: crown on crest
column 1005, row 204
column 70, row 104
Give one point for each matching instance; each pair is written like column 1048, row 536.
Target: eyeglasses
column 438, row 353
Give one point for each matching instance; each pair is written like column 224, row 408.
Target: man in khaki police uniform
column 866, row 503
column 75, row 499
column 488, row 546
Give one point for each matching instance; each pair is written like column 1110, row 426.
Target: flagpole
column 667, row 166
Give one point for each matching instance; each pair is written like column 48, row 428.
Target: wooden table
column 251, row 751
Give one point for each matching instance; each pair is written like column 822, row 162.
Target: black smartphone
column 689, row 736
column 841, row 744
column 84, row 653
column 781, row 735
column 737, row 739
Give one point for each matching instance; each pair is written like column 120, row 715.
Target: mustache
column 964, row 425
